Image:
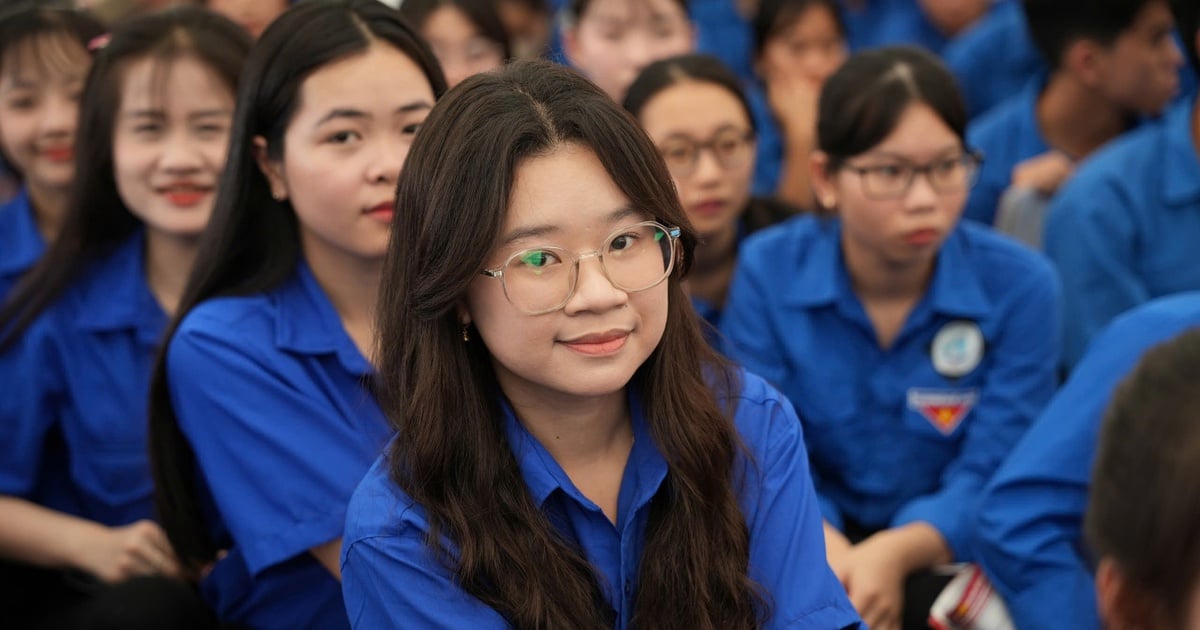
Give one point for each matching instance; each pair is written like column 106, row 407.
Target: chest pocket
column 116, row 479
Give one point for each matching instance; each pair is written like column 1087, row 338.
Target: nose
column 58, row 116
column 180, row 153
column 389, row 160
column 921, row 194
column 594, row 292
column 708, row 170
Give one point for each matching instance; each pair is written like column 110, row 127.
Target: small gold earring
column 466, row 332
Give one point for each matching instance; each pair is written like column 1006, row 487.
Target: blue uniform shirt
column 1007, row 135
column 722, row 32
column 893, row 439
column 994, row 59
column 77, row 384
column 392, row 580
column 876, row 23
column 1125, row 228
column 1029, row 532
column 20, row 242
column 272, row 395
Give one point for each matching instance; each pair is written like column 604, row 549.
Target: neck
column 576, row 432
column 875, row 278
column 352, row 285
column 1075, row 119
column 169, row 262
column 49, row 207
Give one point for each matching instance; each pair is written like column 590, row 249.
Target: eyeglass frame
column 974, row 158
column 672, row 233
column 709, row 145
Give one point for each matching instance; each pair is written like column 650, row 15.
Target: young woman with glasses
column 694, row 110
column 917, row 349
column 569, row 451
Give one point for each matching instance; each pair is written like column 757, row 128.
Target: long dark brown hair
column 442, row 397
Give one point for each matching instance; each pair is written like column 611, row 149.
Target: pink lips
column 600, row 344
column 382, row 212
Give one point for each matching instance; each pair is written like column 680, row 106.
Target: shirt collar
column 23, row 244
column 115, row 296
column 820, row 265
column 1181, row 183
column 308, row 323
column 956, row 289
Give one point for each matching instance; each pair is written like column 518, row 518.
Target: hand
column 874, row 580
column 1044, row 173
column 116, row 554
column 793, row 100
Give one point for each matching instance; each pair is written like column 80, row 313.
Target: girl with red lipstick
column 263, row 415
column 570, row 453
column 43, row 61
column 80, row 332
column 916, row 349
column 695, row 111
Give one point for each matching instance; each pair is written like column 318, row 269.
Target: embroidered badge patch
column 943, row 408
column 957, row 349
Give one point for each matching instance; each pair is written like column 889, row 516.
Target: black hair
column 23, row 31
column 252, row 243
column 1056, row 24
column 574, row 9
column 1143, row 513
column 862, row 102
column 482, row 14
column 1187, row 21
column 774, row 16
column 97, row 220
column 664, row 73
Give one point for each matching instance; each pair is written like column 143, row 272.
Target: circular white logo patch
column 957, row 349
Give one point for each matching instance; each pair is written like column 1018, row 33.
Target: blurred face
column 528, row 28
column 591, row 346
column 1141, row 69
column 705, row 137
column 253, row 15
column 344, row 148
column 811, row 47
column 169, row 143
column 614, row 39
column 882, row 218
column 40, row 87
column 459, row 46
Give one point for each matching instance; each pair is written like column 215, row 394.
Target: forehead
column 173, row 83
column 449, row 21
column 919, row 133
column 694, row 108
column 811, row 21
column 633, row 10
column 47, row 58
column 378, row 79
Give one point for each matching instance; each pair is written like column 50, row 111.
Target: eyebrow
column 536, row 231
column 19, row 83
column 904, row 158
column 347, row 112
column 159, row 114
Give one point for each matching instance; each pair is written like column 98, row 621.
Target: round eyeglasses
column 731, row 147
column 542, row 279
column 892, row 181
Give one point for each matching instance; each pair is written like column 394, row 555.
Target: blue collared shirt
column 1125, row 229
column 20, row 242
column 1007, row 135
column 77, row 384
column 882, row 453
column 274, row 398
column 1029, row 531
column 995, row 58
column 392, row 579
column 876, row 23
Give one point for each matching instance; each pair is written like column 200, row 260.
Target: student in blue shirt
column 694, row 110
column 81, row 330
column 263, row 416
column 43, row 61
column 1125, row 229
column 994, row 59
column 916, row 349
column 467, row 36
column 797, row 45
column 1141, row 521
column 569, row 451
column 1109, row 64
column 925, row 23
column 1029, row 529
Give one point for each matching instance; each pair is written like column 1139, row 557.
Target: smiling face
column 169, row 142
column 40, row 87
column 690, row 113
column 910, row 228
column 344, row 148
column 593, row 345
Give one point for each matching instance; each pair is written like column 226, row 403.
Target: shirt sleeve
column 1091, row 238
column 31, row 382
column 1020, row 382
column 745, row 323
column 280, row 459
column 787, row 543
column 396, row 582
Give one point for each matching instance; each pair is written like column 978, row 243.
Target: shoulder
column 249, row 319
column 784, row 241
column 999, row 123
column 379, row 508
column 1119, row 164
column 1004, row 258
column 1151, row 323
column 763, row 417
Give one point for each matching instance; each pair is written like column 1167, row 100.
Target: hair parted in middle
column 442, row 396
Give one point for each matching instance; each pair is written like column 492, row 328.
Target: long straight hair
column 442, row 397
column 252, row 243
column 97, row 219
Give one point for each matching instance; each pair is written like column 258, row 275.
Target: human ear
column 823, row 185
column 271, row 169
